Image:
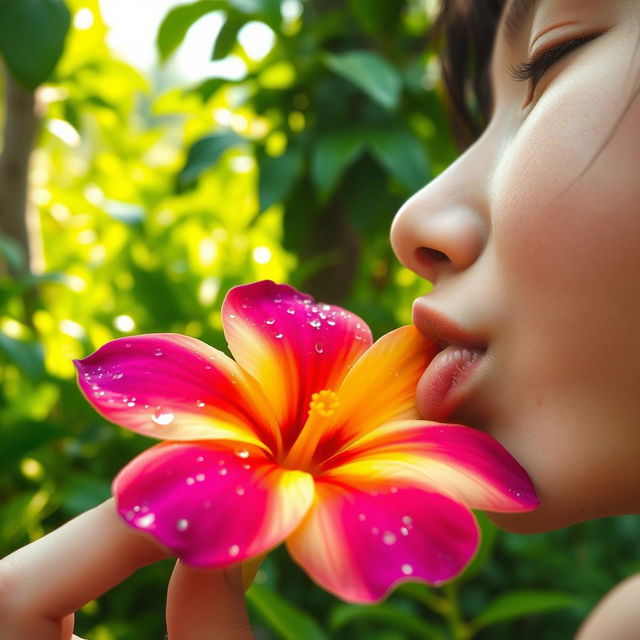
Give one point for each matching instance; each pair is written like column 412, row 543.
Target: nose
column 443, row 228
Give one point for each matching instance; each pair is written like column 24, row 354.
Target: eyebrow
column 517, row 14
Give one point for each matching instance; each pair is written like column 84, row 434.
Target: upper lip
column 439, row 328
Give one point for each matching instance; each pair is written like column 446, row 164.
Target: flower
column 311, row 437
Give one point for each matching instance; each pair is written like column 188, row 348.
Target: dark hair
column 464, row 31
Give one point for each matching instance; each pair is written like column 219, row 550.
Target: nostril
column 430, row 257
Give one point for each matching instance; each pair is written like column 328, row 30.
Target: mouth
column 446, row 383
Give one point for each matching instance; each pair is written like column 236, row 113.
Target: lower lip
column 442, row 386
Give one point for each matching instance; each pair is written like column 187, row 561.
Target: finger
column 207, row 605
column 49, row 579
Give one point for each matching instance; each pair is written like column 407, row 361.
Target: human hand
column 44, row 583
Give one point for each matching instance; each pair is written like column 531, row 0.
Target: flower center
column 323, row 403
column 322, row 409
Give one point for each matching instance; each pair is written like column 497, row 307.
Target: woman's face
column 532, row 241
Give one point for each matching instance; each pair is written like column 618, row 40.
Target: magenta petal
column 360, row 544
column 210, row 504
column 175, row 387
column 291, row 345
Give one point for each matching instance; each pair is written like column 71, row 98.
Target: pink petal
column 360, row 544
column 464, row 463
column 176, row 388
column 212, row 504
column 291, row 345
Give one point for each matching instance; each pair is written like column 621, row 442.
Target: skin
column 536, row 228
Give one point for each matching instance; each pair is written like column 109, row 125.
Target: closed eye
column 535, row 69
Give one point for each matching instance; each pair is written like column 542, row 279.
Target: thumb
column 207, row 604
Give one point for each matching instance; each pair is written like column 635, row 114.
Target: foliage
column 152, row 203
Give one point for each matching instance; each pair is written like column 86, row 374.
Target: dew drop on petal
column 223, row 471
column 199, row 403
column 331, row 323
column 242, row 453
column 388, row 537
column 315, row 323
column 394, row 489
column 182, row 524
column 362, row 517
column 407, row 569
column 408, row 520
column 291, row 311
column 240, row 491
column 319, row 347
column 200, row 477
column 278, row 335
column 234, row 550
column 270, row 320
column 146, row 521
column 157, row 352
column 200, row 459
column 127, row 345
column 404, row 531
column 162, row 417
column 118, row 376
column 190, row 480
column 232, row 316
column 131, row 403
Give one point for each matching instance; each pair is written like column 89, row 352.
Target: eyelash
column 534, row 69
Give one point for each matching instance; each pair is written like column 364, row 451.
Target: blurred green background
column 174, row 150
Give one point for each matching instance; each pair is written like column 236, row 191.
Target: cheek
column 567, row 258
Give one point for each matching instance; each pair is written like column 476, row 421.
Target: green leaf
column 27, row 356
column 32, row 34
column 285, row 619
column 488, row 537
column 227, row 36
column 370, row 72
column 177, row 22
column 332, row 155
column 277, row 176
column 377, row 16
column 516, row 604
column 410, row 624
column 21, row 438
column 402, row 154
column 205, row 153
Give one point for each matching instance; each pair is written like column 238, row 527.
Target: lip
column 446, row 382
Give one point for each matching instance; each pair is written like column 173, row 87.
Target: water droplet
column 362, row 517
column 408, row 520
column 240, row 491
column 278, row 335
column 223, row 471
column 331, row 323
column 291, row 311
column 394, row 489
column 199, row 403
column 117, row 376
column 182, row 524
column 404, row 531
column 315, row 323
column 234, row 550
column 232, row 315
column 200, row 477
column 146, row 521
column 270, row 320
column 131, row 403
column 357, row 337
column 242, row 453
column 190, row 480
column 200, row 459
column 277, row 300
column 157, row 352
column 127, row 345
column 246, row 466
column 162, row 417
column 319, row 347
column 407, row 569
column 208, row 367
column 100, row 394
column 375, row 531
column 244, row 305
column 388, row 537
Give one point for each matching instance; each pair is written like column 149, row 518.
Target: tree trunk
column 20, row 128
